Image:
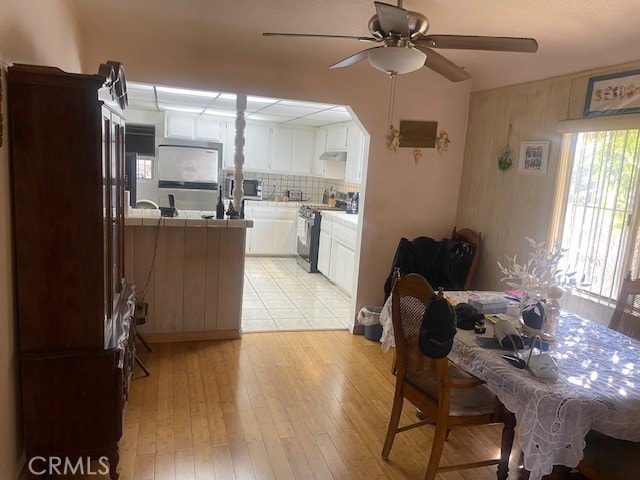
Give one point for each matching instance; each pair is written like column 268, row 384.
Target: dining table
column 597, row 388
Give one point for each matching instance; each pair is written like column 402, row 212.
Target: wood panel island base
column 190, row 272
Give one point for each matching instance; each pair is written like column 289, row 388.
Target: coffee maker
column 353, row 204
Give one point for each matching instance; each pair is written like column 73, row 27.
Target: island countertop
column 186, row 218
column 189, row 271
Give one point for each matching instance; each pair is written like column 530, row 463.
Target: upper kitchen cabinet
column 210, row 129
column 337, row 137
column 281, row 149
column 256, row 149
column 292, row 150
column 326, row 168
column 355, row 153
column 192, row 127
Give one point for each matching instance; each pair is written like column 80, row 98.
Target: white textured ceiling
column 573, row 35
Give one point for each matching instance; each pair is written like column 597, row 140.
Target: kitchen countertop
column 348, row 219
column 272, row 203
column 146, row 217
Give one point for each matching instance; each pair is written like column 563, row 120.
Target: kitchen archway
column 300, row 269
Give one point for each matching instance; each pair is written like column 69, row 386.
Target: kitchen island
column 190, row 272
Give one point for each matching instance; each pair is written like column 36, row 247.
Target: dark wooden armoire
column 74, row 308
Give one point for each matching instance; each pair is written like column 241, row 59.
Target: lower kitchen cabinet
column 336, row 255
column 342, row 264
column 260, row 239
column 274, row 230
column 324, row 252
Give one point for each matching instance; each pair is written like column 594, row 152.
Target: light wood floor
column 282, row 405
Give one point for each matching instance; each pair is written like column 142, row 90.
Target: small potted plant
column 542, row 282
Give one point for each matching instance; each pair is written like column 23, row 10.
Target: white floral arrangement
column 541, row 278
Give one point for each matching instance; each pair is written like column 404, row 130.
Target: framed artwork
column 533, row 157
column 418, row 134
column 613, row 94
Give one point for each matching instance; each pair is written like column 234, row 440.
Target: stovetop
column 320, row 206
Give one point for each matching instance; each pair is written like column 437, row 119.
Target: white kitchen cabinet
column 342, row 265
column 292, row 150
column 194, row 127
column 326, row 168
column 324, row 250
column 210, row 129
column 337, row 137
column 281, row 149
column 349, row 270
column 355, row 154
column 274, row 230
column 180, row 126
column 303, row 150
column 337, row 257
column 262, row 236
column 257, row 147
column 320, row 148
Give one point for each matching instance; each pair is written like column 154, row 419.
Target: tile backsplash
column 276, row 185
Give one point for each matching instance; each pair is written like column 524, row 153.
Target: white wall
column 43, row 32
column 401, row 198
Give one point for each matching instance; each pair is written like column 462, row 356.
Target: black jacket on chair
column 443, row 263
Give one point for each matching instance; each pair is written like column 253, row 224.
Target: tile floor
column 280, row 295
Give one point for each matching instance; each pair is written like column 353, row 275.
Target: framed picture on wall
column 613, row 94
column 533, row 157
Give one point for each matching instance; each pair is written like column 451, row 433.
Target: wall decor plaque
column 613, row 94
column 533, row 157
column 418, row 134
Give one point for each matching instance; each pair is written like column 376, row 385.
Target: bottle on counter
column 232, row 213
column 220, row 205
column 325, row 197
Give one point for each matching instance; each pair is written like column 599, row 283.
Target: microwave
column 252, row 189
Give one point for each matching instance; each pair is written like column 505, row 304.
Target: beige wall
column 401, row 198
column 505, row 207
column 41, row 32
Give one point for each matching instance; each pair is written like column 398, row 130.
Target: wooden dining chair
column 607, row 458
column 475, row 239
column 446, row 394
column 626, row 316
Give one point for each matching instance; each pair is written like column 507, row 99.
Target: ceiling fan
column 406, row 47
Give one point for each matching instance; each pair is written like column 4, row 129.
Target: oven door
column 304, row 242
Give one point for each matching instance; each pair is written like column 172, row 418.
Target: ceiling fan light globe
column 397, row 60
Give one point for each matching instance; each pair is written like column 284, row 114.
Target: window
column 600, row 224
column 144, row 169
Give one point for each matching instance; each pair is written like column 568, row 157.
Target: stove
column 308, row 242
column 310, row 210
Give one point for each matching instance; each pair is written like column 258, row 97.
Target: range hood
column 340, row 156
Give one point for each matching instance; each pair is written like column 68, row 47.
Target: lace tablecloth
column 598, row 388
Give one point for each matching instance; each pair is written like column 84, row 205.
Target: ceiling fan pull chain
column 393, row 135
column 392, row 100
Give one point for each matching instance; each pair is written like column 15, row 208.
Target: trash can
column 369, row 317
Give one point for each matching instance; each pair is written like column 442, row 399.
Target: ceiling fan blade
column 392, row 19
column 443, row 66
column 347, row 62
column 315, row 35
column 471, row 42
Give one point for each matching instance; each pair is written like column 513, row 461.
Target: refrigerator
column 190, row 174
